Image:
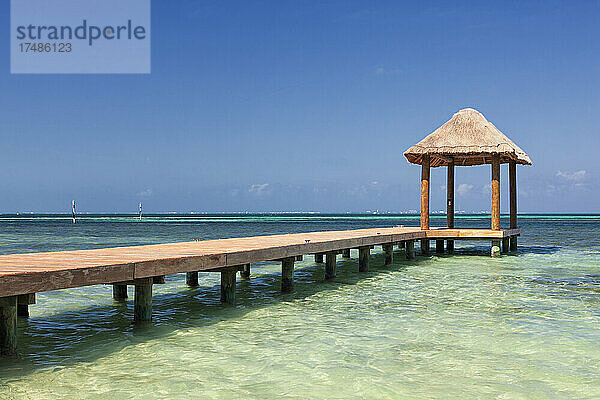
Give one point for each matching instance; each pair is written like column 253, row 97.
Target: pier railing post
column 319, row 258
column 364, row 254
column 388, row 250
column 119, row 291
column 228, row 277
column 245, row 272
column 330, row 263
column 8, row 326
column 287, row 274
column 142, row 301
column 191, row 278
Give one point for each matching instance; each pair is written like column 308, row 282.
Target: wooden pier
column 23, row 275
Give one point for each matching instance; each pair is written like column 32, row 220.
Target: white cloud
column 576, row 176
column 259, row 189
column 145, row 193
column 463, row 189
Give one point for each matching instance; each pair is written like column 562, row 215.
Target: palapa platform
column 23, row 275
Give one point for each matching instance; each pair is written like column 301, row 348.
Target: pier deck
column 22, row 275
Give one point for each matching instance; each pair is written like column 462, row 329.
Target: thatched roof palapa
column 469, row 139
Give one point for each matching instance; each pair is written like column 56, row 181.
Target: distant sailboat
column 73, row 206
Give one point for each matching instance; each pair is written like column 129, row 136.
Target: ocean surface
column 523, row 326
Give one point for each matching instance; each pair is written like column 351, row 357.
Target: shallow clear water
column 521, row 326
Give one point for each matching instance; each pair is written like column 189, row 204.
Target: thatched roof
column 470, row 139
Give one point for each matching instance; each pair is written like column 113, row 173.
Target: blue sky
column 309, row 105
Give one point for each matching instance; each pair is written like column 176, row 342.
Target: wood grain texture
column 425, row 173
column 496, row 192
column 512, row 179
column 39, row 272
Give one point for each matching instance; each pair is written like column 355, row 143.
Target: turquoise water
column 521, row 326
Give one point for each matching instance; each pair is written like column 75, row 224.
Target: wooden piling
column 495, row 248
column 505, row 245
column 495, row 192
column 8, row 326
column 228, row 276
column 424, row 247
column 119, row 291
column 439, row 246
column 410, row 249
column 364, row 254
column 346, row 253
column 425, row 173
column 245, row 272
column 388, row 250
column 319, row 258
column 330, row 263
column 450, row 203
column 142, row 301
column 23, row 302
column 287, row 274
column 401, row 245
column 191, row 278
column 513, row 243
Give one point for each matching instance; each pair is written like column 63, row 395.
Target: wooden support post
column 142, row 301
column 160, row 280
column 245, row 273
column 496, row 248
column 505, row 245
column 8, row 326
column 425, row 171
column 496, row 192
column 450, row 203
column 330, row 260
column 513, row 243
column 410, row 249
column 388, row 250
column 439, row 246
column 23, row 302
column 364, row 254
column 424, row 247
column 401, row 245
column 319, row 258
column 191, row 278
column 119, row 291
column 287, row 274
column 346, row 253
column 228, row 276
column 512, row 178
